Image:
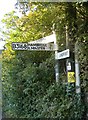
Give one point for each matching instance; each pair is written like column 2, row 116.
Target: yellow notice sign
column 71, row 77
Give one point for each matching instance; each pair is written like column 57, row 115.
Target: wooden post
column 70, row 67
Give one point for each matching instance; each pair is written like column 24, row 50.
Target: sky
column 5, row 7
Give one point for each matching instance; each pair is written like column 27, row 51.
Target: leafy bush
column 57, row 104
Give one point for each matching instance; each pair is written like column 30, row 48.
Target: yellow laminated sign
column 71, row 77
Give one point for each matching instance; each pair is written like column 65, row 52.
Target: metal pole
column 77, row 72
column 56, row 60
column 0, row 85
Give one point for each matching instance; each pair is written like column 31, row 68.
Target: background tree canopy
column 29, row 87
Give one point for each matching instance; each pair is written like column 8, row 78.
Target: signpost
column 56, row 61
column 63, row 54
column 36, row 46
column 47, row 43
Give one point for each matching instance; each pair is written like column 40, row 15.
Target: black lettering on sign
column 28, row 46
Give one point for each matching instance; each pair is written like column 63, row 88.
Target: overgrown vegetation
column 29, row 86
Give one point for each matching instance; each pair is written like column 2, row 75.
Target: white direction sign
column 63, row 54
column 33, row 46
column 47, row 39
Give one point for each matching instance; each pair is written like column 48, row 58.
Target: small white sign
column 68, row 67
column 33, row 46
column 63, row 54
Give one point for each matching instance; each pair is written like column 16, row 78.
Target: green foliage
column 83, row 58
column 27, row 81
column 29, row 88
column 57, row 104
column 36, row 95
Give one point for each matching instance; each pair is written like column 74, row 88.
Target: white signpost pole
column 56, row 60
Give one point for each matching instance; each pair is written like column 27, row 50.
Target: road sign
column 71, row 77
column 33, row 46
column 63, row 54
column 47, row 39
column 2, row 45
